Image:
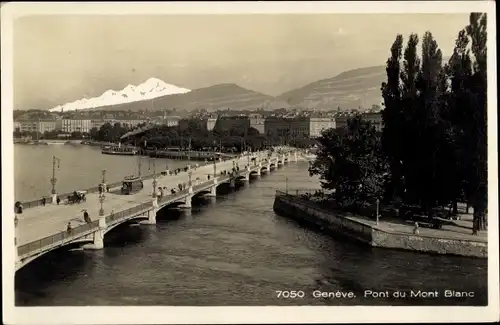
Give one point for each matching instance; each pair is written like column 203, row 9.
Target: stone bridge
column 41, row 229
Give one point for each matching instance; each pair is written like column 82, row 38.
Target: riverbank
column 452, row 239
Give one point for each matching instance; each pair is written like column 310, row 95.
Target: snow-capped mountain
column 151, row 88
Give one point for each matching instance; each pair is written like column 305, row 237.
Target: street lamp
column 104, row 176
column 215, row 168
column 101, row 200
column 154, row 178
column 378, row 202
column 189, row 174
column 53, row 180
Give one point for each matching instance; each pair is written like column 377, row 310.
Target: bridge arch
column 73, row 244
column 124, row 222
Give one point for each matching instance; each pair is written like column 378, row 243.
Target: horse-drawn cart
column 77, row 197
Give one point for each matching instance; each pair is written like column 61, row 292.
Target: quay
column 42, row 229
column 453, row 239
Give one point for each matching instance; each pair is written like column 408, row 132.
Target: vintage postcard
column 249, row 162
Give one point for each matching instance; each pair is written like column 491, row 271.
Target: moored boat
column 119, row 150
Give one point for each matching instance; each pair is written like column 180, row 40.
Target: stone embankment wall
column 305, row 211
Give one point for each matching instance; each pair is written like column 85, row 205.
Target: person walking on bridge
column 68, row 228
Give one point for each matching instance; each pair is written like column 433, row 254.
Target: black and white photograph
column 251, row 154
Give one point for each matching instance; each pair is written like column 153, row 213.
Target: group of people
column 86, row 218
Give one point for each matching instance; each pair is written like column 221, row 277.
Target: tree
column 393, row 119
column 476, row 127
column 350, row 162
column 424, row 176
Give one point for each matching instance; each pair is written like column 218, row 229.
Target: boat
column 38, row 143
column 119, row 150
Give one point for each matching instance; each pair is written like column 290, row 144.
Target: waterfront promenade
column 389, row 232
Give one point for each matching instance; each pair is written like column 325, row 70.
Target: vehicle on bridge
column 132, row 184
column 77, row 197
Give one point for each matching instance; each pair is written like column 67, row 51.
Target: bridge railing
column 127, row 212
column 56, row 239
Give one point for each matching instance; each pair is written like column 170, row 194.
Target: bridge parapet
column 59, row 239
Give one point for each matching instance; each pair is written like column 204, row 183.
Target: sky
column 62, row 58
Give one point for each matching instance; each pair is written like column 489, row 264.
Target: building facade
column 211, row 123
column 258, row 122
column 318, row 124
column 226, row 124
column 46, row 125
column 74, row 125
column 172, row 121
column 375, row 120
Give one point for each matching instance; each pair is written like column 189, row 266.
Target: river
column 229, row 250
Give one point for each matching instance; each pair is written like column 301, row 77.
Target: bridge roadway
column 39, row 222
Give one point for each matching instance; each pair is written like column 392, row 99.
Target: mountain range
column 350, row 89
column 151, row 88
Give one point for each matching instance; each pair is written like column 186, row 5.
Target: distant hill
column 350, row 89
column 210, row 98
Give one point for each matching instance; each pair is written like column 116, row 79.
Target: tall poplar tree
column 393, row 119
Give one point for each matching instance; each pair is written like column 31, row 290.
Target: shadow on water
column 62, row 265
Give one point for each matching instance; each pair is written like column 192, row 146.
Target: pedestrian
column 43, row 201
column 68, row 228
column 415, row 229
column 58, row 200
column 86, row 217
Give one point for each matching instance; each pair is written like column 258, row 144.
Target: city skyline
column 87, row 55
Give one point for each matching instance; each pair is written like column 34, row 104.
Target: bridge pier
column 189, row 198
column 98, row 242
column 152, row 213
column 213, row 189
column 187, row 202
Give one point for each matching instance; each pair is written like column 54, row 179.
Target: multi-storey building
column 96, row 123
column 276, row 126
column 318, row 124
column 172, row 121
column 228, row 123
column 17, row 126
column 258, row 122
column 211, row 123
column 77, row 124
column 38, row 125
column 297, row 126
column 375, row 119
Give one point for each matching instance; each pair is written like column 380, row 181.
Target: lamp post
column 190, row 174
column 53, row 180
column 378, row 202
column 154, row 178
column 215, row 168
column 104, row 176
column 139, row 166
column 101, row 200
